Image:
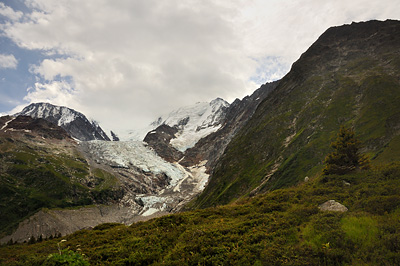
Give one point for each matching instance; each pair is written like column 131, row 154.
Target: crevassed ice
column 126, row 153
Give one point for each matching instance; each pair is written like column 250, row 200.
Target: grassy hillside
column 349, row 76
column 283, row 227
column 40, row 173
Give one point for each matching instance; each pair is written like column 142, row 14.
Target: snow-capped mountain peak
column 63, row 114
column 72, row 121
column 194, row 122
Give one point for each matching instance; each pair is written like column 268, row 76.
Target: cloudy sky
column 124, row 62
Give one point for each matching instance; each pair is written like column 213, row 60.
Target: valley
column 216, row 183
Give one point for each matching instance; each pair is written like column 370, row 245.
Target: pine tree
column 346, row 157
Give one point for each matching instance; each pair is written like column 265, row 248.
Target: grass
column 362, row 230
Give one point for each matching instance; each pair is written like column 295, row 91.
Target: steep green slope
column 283, row 227
column 349, row 76
column 41, row 167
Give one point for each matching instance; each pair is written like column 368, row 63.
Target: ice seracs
column 126, row 154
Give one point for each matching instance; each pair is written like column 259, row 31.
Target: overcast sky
column 124, row 62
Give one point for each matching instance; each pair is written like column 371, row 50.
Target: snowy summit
column 193, row 122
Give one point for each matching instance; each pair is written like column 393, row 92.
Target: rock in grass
column 333, row 206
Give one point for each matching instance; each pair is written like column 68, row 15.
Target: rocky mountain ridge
column 75, row 123
column 208, row 133
column 212, row 146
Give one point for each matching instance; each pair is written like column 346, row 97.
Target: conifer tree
column 346, row 157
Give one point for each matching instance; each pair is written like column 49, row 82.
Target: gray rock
column 346, row 184
column 333, row 206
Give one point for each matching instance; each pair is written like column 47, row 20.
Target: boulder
column 333, row 206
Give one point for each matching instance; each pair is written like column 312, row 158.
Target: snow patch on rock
column 193, row 123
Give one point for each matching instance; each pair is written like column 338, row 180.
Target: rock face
column 114, row 136
column 332, row 206
column 159, row 139
column 48, row 223
column 41, row 167
column 75, row 123
column 29, row 126
column 212, row 146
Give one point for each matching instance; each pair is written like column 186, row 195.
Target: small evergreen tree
column 346, row 157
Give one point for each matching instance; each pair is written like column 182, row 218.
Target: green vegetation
column 66, row 257
column 35, row 176
column 282, row 227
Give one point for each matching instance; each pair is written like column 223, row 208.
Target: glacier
column 193, row 123
column 135, row 160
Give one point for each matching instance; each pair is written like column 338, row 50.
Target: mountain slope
column 40, row 167
column 75, row 123
column 349, row 76
column 283, row 227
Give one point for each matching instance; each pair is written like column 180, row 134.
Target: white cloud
column 9, row 13
column 144, row 56
column 125, row 62
column 8, row 61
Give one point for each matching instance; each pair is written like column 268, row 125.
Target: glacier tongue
column 135, row 164
column 135, row 153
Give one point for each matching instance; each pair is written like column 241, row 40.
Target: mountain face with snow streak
column 191, row 123
column 212, row 146
column 75, row 123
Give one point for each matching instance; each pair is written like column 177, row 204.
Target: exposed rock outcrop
column 159, row 139
column 333, row 206
column 48, row 223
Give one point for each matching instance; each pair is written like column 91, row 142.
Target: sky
column 123, row 63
